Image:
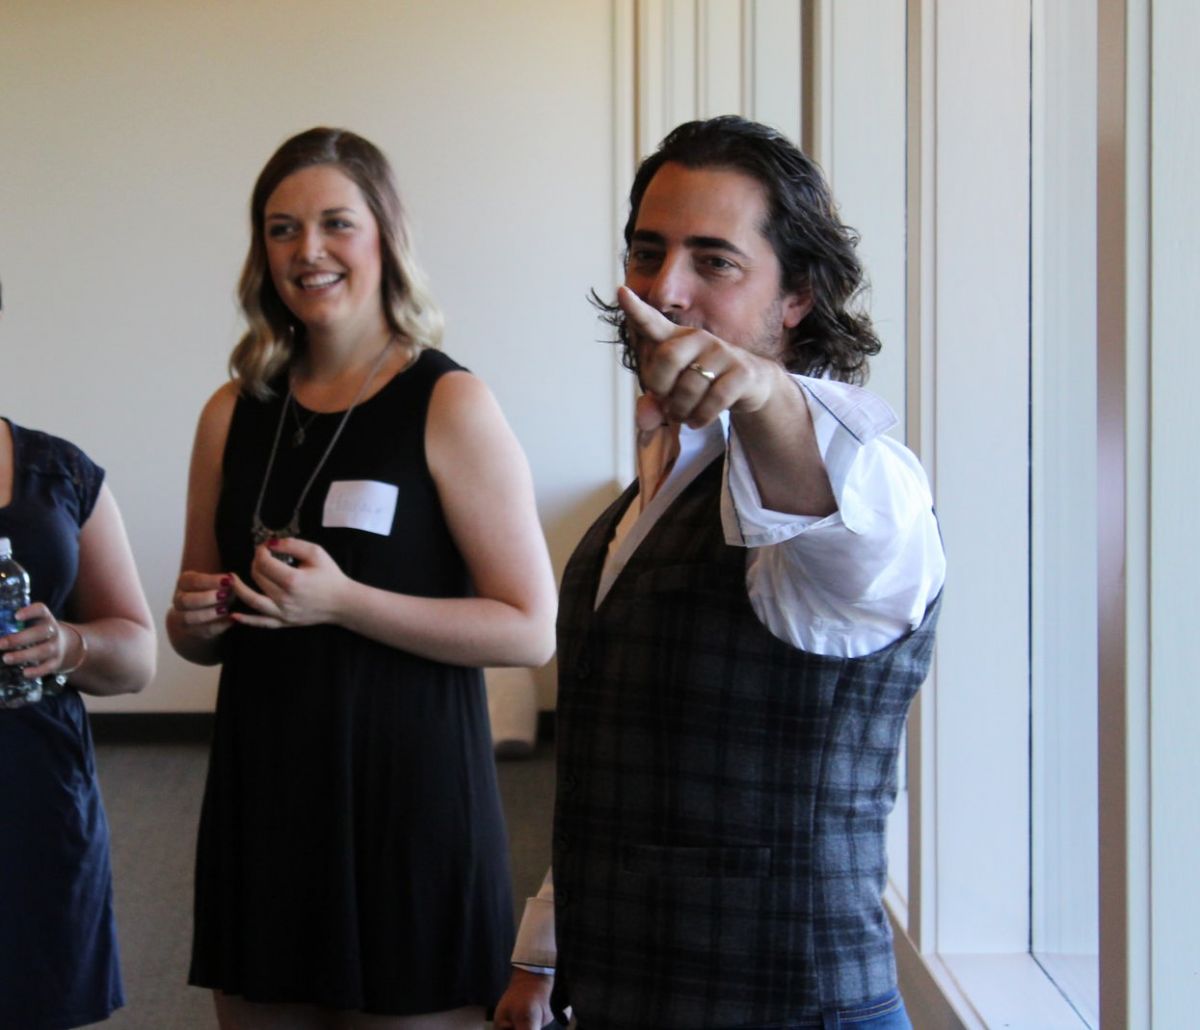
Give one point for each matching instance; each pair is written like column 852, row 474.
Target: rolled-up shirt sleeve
column 852, row 582
column 535, row 948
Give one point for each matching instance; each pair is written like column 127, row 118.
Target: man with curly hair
column 741, row 633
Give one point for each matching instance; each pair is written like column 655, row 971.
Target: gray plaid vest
column 722, row 796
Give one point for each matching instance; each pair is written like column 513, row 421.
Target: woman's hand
column 194, row 625
column 300, row 584
column 40, row 649
column 201, row 604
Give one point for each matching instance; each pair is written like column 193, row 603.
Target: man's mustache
column 671, row 316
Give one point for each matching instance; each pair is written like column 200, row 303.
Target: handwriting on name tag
column 361, row 504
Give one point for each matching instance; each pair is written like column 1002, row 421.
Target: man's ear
column 796, row 307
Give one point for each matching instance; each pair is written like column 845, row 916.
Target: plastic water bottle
column 15, row 689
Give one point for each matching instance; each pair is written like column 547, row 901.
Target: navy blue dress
column 58, row 946
column 352, row 850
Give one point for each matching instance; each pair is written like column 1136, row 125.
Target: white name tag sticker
column 361, row 504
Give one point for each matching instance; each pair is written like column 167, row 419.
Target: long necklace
column 302, row 427
column 260, row 533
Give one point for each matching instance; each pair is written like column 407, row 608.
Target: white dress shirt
column 845, row 584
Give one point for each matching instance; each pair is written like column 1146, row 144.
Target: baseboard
column 196, row 727
column 152, row 727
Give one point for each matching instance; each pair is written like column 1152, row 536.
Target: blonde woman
column 361, row 538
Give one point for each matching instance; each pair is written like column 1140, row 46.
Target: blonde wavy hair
column 274, row 335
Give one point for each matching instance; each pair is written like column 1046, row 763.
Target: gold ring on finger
column 708, row 373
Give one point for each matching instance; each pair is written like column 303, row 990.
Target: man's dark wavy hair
column 816, row 252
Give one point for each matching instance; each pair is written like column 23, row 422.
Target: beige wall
column 132, row 133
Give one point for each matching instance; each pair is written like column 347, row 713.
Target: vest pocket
column 707, row 863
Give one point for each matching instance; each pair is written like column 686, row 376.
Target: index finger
column 197, row 581
column 34, row 611
column 646, row 318
column 253, row 599
column 294, row 547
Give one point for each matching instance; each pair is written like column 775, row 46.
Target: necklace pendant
column 298, row 437
column 261, row 533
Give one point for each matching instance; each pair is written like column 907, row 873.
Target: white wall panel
column 981, row 330
column 776, row 49
column 863, row 77
column 132, row 136
column 719, row 38
column 1063, row 545
column 1174, row 500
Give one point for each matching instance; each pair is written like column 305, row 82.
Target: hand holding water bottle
column 32, row 642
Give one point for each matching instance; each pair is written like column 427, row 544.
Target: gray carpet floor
column 152, row 794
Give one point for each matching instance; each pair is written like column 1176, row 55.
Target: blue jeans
column 883, row 1013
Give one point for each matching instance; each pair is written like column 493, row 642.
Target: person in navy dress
column 87, row 630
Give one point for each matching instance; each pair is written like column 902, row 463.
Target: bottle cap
column 5, row 547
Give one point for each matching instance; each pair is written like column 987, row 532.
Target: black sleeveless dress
column 352, row 851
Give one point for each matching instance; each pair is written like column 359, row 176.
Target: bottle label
column 15, row 689
column 9, row 623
